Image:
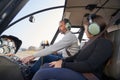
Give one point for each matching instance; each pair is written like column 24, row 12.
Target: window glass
column 44, row 26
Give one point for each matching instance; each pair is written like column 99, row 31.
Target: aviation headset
column 67, row 24
column 93, row 27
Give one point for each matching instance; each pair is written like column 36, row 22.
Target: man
column 67, row 46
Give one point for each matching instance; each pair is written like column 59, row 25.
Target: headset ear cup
column 68, row 26
column 94, row 29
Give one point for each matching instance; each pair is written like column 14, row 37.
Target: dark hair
column 66, row 21
column 17, row 41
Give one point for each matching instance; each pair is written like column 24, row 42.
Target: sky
column 44, row 27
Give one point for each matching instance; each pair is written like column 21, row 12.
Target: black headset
column 93, row 27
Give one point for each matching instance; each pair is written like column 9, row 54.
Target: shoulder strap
column 68, row 53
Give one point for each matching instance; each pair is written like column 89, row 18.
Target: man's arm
column 64, row 43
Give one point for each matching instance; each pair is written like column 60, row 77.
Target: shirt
column 69, row 42
column 91, row 58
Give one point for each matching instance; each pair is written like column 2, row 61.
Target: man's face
column 62, row 27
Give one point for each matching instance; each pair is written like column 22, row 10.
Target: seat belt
column 68, row 53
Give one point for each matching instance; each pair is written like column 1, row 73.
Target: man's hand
column 10, row 54
column 56, row 64
column 27, row 59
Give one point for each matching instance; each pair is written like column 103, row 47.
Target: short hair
column 65, row 20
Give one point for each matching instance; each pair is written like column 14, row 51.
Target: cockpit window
column 44, row 26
